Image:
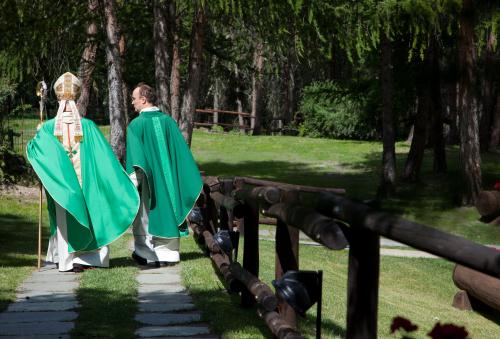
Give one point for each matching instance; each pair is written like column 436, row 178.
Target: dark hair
column 147, row 91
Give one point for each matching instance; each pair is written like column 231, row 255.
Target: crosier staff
column 41, row 91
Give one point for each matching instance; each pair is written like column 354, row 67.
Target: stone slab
column 37, row 328
column 55, row 286
column 159, row 288
column 165, row 298
column 27, row 317
column 149, row 307
column 51, row 271
column 50, row 278
column 166, row 331
column 42, row 306
column 162, row 278
column 160, row 270
column 36, row 296
column 159, row 319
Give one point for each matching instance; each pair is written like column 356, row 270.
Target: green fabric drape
column 104, row 206
column 156, row 146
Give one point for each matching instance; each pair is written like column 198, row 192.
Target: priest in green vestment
column 160, row 163
column 90, row 198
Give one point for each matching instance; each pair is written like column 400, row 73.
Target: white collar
column 149, row 109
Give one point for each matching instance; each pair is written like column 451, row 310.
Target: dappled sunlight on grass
column 417, row 288
column 19, row 244
column 108, row 297
column 355, row 166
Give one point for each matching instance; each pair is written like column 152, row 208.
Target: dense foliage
column 333, row 112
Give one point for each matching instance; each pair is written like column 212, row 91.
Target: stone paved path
column 46, row 302
column 165, row 308
column 44, row 306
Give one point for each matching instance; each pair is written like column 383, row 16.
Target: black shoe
column 78, row 268
column 166, row 263
column 139, row 260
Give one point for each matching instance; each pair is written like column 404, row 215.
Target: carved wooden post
column 362, row 293
column 287, row 258
column 250, row 247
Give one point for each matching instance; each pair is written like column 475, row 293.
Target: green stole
column 156, row 146
column 99, row 211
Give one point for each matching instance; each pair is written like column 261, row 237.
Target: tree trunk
column 495, row 131
column 190, row 98
column 420, row 126
column 388, row 179
column 451, row 98
column 439, row 145
column 218, row 97
column 87, row 62
column 161, row 55
column 489, row 92
column 288, row 88
column 125, row 94
column 257, row 87
column 239, row 103
column 175, row 75
column 117, row 118
column 469, row 156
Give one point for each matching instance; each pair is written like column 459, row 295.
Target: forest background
column 421, row 70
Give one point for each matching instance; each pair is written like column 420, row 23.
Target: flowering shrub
column 400, row 323
column 497, row 186
column 448, row 331
column 404, row 327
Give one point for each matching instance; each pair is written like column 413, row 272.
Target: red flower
column 448, row 331
column 402, row 323
column 497, row 185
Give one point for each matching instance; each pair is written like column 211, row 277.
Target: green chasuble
column 156, row 146
column 99, row 211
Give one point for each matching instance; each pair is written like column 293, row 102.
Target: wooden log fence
column 329, row 218
column 215, row 118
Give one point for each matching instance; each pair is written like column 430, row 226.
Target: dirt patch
column 18, row 191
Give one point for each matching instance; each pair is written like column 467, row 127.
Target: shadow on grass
column 19, row 240
column 191, row 256
column 106, row 313
column 360, row 179
column 486, row 311
column 216, row 307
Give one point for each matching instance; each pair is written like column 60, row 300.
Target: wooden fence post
column 250, row 247
column 287, row 258
column 363, row 280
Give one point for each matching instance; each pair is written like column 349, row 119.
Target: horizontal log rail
column 331, row 219
column 262, row 292
column 285, row 186
column 452, row 247
column 210, row 110
column 316, row 226
column 208, row 124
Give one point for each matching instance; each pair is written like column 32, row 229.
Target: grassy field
column 419, row 289
column 353, row 165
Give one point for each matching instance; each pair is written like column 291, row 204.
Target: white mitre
column 67, row 89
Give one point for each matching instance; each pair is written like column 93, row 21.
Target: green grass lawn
column 355, row 166
column 420, row 289
column 19, row 244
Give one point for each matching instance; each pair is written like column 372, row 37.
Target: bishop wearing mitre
column 90, row 198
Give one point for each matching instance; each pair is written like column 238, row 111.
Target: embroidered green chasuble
column 156, row 146
column 99, row 211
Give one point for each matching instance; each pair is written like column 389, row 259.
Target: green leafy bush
column 329, row 111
